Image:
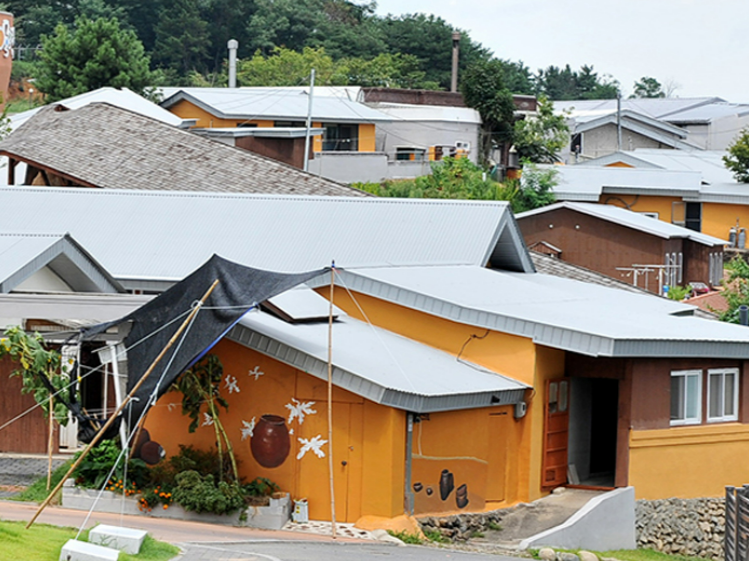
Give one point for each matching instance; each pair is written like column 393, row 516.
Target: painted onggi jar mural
column 8, row 39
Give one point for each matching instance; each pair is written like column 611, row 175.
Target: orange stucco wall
column 677, row 462
column 368, row 439
column 718, row 219
column 516, row 357
column 642, row 203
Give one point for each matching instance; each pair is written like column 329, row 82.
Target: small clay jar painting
column 270, row 443
column 447, row 484
column 461, row 496
column 418, row 487
column 152, row 452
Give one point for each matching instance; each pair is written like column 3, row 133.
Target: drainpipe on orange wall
column 408, row 497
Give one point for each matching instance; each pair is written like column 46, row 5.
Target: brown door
column 556, row 432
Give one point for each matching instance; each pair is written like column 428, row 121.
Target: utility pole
column 309, row 119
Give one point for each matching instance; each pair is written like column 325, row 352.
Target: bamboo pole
column 51, row 440
column 330, row 400
column 125, row 401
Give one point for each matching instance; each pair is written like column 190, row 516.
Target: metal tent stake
column 125, row 401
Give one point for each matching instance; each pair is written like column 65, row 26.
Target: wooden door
column 556, row 432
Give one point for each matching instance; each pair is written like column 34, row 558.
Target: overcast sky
column 700, row 46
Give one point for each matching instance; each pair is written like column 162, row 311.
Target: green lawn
column 43, row 543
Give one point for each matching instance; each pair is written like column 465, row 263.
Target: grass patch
column 492, row 525
column 406, row 537
column 43, row 543
column 435, row 536
column 37, row 491
column 646, row 555
column 20, row 105
column 477, row 534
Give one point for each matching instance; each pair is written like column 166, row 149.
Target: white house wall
column 353, row 167
column 603, row 140
column 424, row 134
column 44, row 280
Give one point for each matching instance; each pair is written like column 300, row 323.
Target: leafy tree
column 97, row 53
column 566, row 84
column 518, row 78
column 285, row 67
column 737, row 159
column 648, row 87
column 736, row 291
column 484, row 89
column 536, row 188
column 539, row 139
column 181, row 37
column 429, row 39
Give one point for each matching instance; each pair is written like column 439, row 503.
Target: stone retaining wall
column 682, row 526
column 460, row 527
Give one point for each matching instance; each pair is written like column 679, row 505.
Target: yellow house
column 462, row 379
column 688, row 188
column 349, row 126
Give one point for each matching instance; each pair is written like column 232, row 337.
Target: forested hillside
column 186, row 42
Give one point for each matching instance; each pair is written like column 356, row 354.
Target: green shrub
column 260, row 487
column 406, row 537
column 198, row 493
column 435, row 536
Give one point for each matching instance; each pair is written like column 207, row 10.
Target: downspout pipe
column 408, row 496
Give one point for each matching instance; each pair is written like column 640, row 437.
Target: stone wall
column 461, row 527
column 682, row 526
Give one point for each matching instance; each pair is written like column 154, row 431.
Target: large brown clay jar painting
column 270, row 443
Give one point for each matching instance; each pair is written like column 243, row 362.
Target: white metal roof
column 275, row 103
column 166, row 235
column 709, row 163
column 378, row 364
column 302, row 303
column 587, row 183
column 123, row 98
column 630, row 219
column 413, row 112
column 22, row 255
column 555, row 312
column 657, row 108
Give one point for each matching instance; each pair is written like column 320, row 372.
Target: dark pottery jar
column 447, row 484
column 270, row 443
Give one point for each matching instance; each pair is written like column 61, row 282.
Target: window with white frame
column 722, row 394
column 686, row 397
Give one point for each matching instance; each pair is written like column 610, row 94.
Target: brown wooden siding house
column 100, row 145
column 623, row 244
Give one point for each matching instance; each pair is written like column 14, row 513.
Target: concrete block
column 74, row 550
column 124, row 539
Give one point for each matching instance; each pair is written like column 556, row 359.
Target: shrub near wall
column 682, row 526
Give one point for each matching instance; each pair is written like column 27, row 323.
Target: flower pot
column 270, row 443
column 447, row 484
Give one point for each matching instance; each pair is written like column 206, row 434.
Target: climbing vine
column 36, row 361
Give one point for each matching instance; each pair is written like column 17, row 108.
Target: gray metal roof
column 555, row 312
column 638, row 122
column 657, row 108
column 100, row 145
column 89, row 308
column 549, row 265
column 22, row 255
column 378, row 365
column 167, row 235
column 709, row 163
column 588, row 183
column 630, row 219
column 276, row 104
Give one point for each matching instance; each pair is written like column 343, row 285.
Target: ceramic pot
column 461, row 496
column 143, row 437
column 152, row 452
column 270, row 443
column 447, row 484
column 418, row 487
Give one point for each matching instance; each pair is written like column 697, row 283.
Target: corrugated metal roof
column 302, row 303
column 379, row 365
column 275, row 103
column 588, row 183
column 22, row 255
column 413, row 112
column 634, row 220
column 709, row 163
column 657, row 108
column 629, row 119
column 124, row 99
column 88, row 308
column 555, row 312
column 167, row 235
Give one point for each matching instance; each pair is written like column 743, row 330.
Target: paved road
column 209, row 542
column 295, row 551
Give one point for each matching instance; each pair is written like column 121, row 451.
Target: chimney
column 456, row 49
column 233, row 45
